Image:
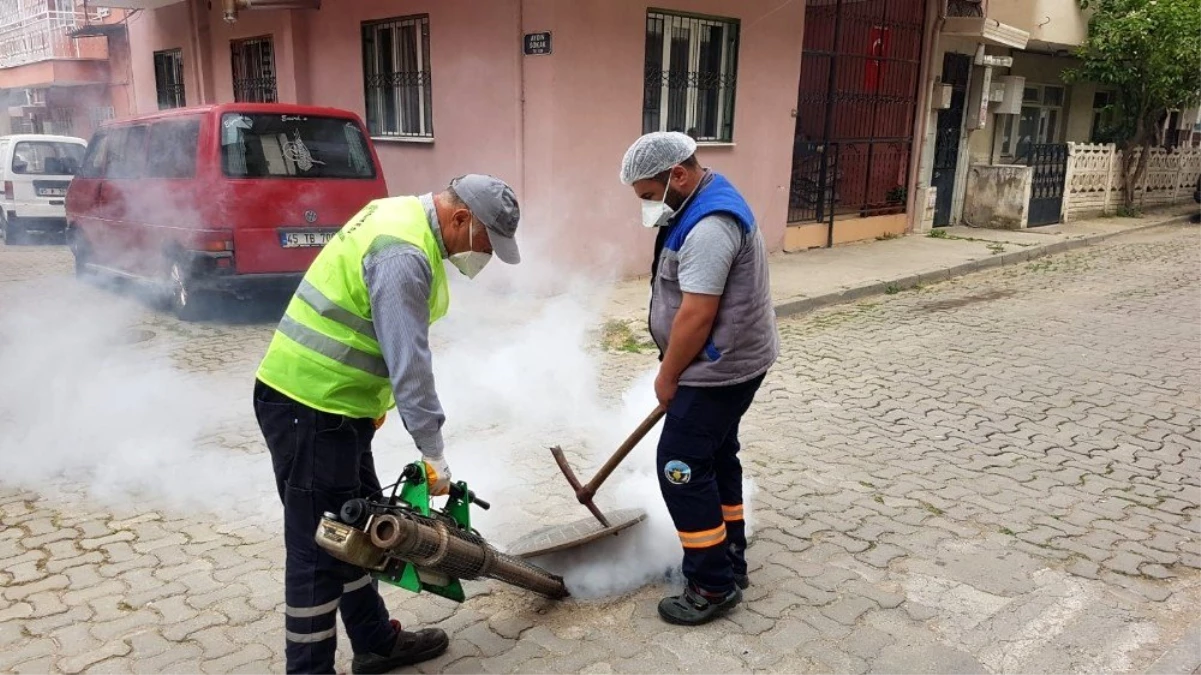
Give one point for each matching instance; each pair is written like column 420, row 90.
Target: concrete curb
column 874, row 288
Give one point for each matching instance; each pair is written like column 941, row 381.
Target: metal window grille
column 254, row 70
column 62, row 121
column 101, row 114
column 168, row 78
column 396, row 72
column 690, row 75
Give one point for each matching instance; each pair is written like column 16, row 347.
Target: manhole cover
column 570, row 535
column 135, row 336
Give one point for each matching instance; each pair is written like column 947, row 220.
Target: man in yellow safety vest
column 353, row 343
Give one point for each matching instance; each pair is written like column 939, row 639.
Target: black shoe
column 409, row 649
column 743, row 581
column 695, row 607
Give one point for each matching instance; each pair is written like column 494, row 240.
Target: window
column 47, row 158
column 254, row 70
column 172, row 149
column 690, row 75
column 127, row 150
column 1104, row 116
column 396, row 72
column 291, row 146
column 100, row 114
column 95, row 159
column 168, row 79
column 1039, row 122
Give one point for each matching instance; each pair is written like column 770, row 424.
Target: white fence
column 1093, row 184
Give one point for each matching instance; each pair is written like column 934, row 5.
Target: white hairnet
column 654, row 153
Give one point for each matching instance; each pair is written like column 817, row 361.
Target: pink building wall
column 562, row 149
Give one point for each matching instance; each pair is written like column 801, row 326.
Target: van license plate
column 305, row 239
column 52, row 192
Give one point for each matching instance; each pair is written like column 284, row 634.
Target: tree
column 1149, row 51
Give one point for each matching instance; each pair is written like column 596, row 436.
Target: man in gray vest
column 711, row 316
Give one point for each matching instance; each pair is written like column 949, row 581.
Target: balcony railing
column 38, row 30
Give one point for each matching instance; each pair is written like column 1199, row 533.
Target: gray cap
column 494, row 204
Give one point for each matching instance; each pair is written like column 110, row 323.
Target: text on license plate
column 305, row 239
column 52, row 192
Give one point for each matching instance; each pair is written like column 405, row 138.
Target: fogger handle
column 639, row 433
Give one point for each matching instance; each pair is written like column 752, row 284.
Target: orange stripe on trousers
column 704, row 538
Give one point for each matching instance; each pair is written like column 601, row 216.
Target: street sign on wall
column 536, row 44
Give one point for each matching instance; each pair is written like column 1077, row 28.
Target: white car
column 35, row 171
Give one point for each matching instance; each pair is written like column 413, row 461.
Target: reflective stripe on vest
column 324, row 353
column 326, row 307
column 327, row 346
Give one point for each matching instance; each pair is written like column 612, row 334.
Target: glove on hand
column 437, row 475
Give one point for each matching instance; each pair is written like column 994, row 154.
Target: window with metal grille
column 254, row 70
column 690, row 76
column 396, row 73
column 168, row 78
column 100, row 114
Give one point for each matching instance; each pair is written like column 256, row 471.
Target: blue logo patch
column 677, row 472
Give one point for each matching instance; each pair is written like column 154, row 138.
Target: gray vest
column 744, row 342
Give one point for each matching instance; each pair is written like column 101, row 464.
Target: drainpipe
column 198, row 51
column 230, row 8
column 520, row 98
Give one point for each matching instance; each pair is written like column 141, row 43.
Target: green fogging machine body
column 402, row 541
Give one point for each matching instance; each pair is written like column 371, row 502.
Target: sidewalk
column 803, row 282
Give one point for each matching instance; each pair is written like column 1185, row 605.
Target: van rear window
column 261, row 145
column 47, row 158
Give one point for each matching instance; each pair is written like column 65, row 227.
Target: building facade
column 546, row 94
column 64, row 66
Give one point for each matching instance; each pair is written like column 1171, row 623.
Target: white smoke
column 517, row 368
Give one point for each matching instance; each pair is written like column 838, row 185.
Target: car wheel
column 14, row 232
column 82, row 252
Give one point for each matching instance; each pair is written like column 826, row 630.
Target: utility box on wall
column 942, row 96
column 1007, row 94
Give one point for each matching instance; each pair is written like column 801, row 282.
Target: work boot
column 743, row 581
column 695, row 607
column 409, row 649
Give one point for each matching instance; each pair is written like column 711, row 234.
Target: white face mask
column 470, row 262
column 657, row 213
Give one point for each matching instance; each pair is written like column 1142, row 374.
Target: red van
column 228, row 198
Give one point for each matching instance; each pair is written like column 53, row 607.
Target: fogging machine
column 402, row 541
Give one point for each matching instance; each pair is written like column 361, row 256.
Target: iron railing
column 691, row 73
column 35, row 30
column 857, row 93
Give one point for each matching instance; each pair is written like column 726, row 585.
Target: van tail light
column 218, row 245
column 9, row 190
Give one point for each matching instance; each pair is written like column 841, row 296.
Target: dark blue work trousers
column 700, row 476
column 321, row 461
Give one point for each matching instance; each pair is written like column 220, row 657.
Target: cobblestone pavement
column 995, row 474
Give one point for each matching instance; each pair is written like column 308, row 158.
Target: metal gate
column 856, row 106
column 1050, row 164
column 956, row 72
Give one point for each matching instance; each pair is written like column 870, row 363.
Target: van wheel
column 185, row 302
column 83, row 255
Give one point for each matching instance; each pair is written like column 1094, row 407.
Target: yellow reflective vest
column 324, row 353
